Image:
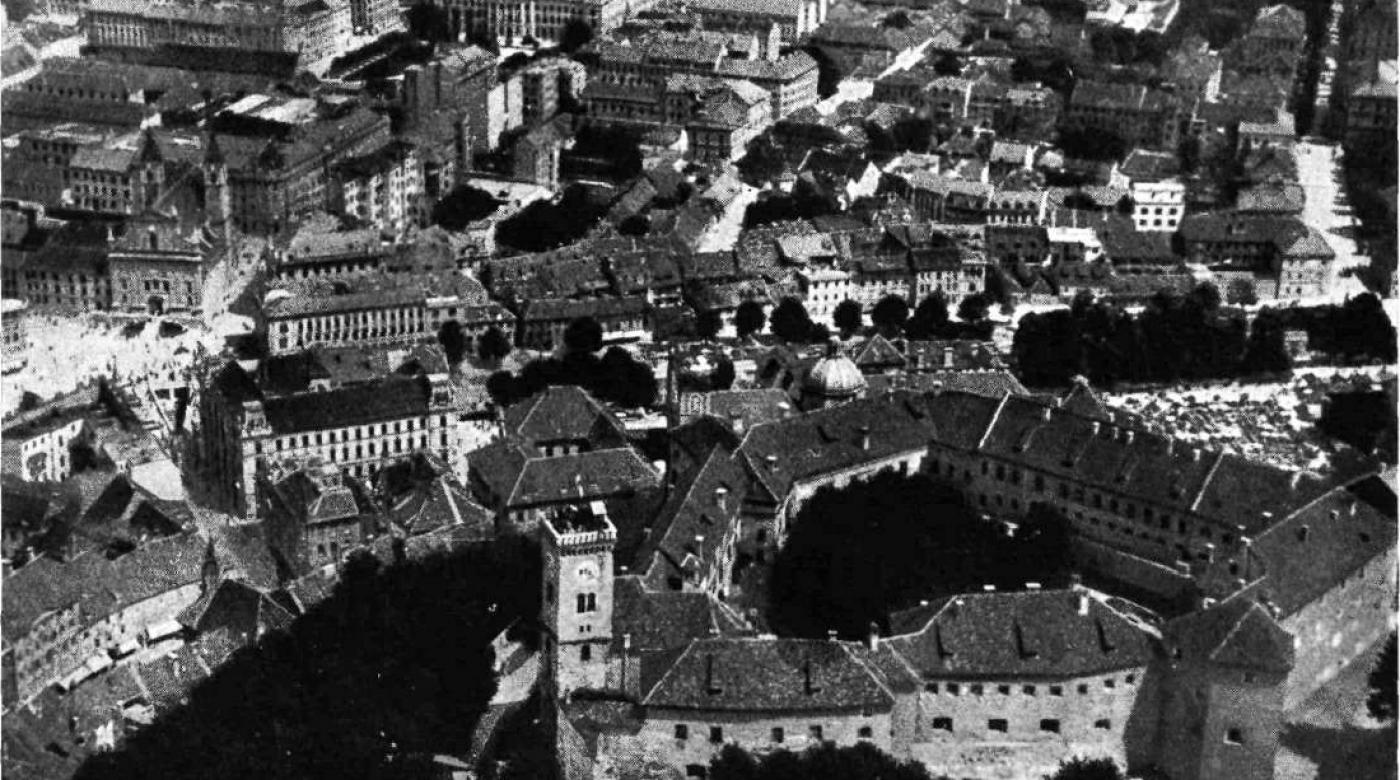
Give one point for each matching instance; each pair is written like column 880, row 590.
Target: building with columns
column 512, row 20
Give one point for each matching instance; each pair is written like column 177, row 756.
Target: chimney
column 1097, row 427
column 831, row 635
column 1207, row 602
column 1209, row 550
column 721, row 498
column 772, row 461
column 872, row 636
column 736, row 422
column 1032, row 586
column 1128, row 436
column 807, row 686
column 865, row 437
column 1351, row 509
column 1295, row 480
column 947, row 357
column 989, row 589
column 1045, row 414
column 1081, row 603
column 1195, row 454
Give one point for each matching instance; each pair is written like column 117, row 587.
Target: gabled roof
column 243, row 610
column 769, row 675
column 690, row 529
column 563, row 413
column 1239, row 632
column 1053, row 634
column 876, row 351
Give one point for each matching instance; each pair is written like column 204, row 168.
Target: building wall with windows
column 688, row 738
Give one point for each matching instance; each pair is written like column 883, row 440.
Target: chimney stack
column 872, row 636
column 1081, row 603
column 721, row 498
column 831, row 634
column 865, row 437
column 711, row 685
column 772, row 461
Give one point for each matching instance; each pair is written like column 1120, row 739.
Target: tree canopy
column 1080, row 768
column 749, row 318
column 575, row 34
column 453, row 341
column 493, row 345
column 825, row 762
column 928, row 541
column 583, row 335
column 890, row 315
column 616, row 377
column 930, row 316
column 790, row 321
column 847, row 317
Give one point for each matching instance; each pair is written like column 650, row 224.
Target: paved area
column 724, row 233
column 1327, row 209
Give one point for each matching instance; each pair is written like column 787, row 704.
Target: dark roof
column 583, row 475
column 657, row 621
column 690, row 530
column 388, row 399
column 1239, row 632
column 246, row 612
column 563, row 413
column 1032, row 634
column 770, row 675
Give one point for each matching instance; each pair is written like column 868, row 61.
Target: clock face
column 587, row 572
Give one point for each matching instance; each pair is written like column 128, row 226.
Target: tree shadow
column 1348, row 753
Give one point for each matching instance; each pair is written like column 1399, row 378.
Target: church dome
column 835, row 376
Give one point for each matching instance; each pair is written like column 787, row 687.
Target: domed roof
column 835, row 376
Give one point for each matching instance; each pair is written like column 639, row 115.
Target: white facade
column 1158, row 206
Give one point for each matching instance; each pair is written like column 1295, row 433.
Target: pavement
column 1327, row 210
column 724, row 233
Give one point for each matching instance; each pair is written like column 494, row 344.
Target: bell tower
column 216, row 193
column 577, row 544
column 150, row 174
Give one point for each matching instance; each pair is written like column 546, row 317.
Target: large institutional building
column 1276, row 580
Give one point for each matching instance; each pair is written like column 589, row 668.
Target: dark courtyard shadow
column 1347, row 753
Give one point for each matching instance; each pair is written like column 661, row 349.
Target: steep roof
column 391, row 398
column 769, row 675
column 1239, row 632
column 564, row 412
column 690, row 529
column 1055, row 634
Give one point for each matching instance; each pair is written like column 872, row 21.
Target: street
column 1326, row 208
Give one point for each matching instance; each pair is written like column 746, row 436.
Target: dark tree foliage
column 17, row 11
column 583, row 335
column 819, row 334
column 930, row 317
column 635, row 225
column 948, row 64
column 398, row 659
column 847, row 317
column 1381, row 700
column 1092, row 144
column 749, row 318
column 723, row 377
column 790, row 321
column 897, row 20
column 29, row 401
column 575, row 34
column 781, row 207
column 1080, row 768
column 825, row 762
column 828, row 72
column 762, row 162
column 1242, row 292
column 453, row 341
column 545, row 225
column 604, row 151
column 708, row 325
column 890, row 315
column 1173, row 339
column 973, row 308
column 1366, row 420
column 493, row 345
column 428, row 21
column 502, row 388
column 616, row 377
column 928, row 541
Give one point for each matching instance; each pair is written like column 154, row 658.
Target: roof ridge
column 982, row 441
column 1239, row 622
column 1205, row 483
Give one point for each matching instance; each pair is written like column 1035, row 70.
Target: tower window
column 1234, row 737
column 682, row 731
column 1103, row 723
column 716, row 733
column 585, row 653
column 997, row 724
column 942, row 724
column 777, row 734
column 866, row 733
column 1050, row 725
column 815, row 732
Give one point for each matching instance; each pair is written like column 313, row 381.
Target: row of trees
column 861, row 762
column 492, row 347
column 616, row 377
column 856, row 554
column 891, row 316
column 1183, row 338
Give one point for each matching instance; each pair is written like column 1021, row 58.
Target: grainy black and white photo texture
column 669, row 389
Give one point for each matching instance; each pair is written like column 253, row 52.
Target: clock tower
column 576, row 615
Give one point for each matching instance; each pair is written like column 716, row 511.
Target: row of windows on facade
column 777, row 734
column 1080, row 495
column 978, row 689
column 381, row 429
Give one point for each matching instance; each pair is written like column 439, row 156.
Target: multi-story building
column 792, row 18
column 727, row 115
column 1159, row 205
column 1281, row 257
column 250, row 423
column 628, row 81
column 156, row 267
column 1370, row 108
column 375, row 17
column 38, row 168
column 1137, row 114
column 64, row 621
column 315, row 516
column 513, row 20
column 314, row 30
column 543, row 320
column 383, row 188
column 391, row 311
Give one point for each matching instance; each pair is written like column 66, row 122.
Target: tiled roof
column 749, row 407
column 242, row 552
column 246, row 612
column 829, row 440
column 1032, row 634
column 391, row 398
column 658, row 621
column 769, row 675
column 1239, row 633
column 560, row 310
column 691, row 527
column 581, row 475
column 1272, row 198
column 563, row 412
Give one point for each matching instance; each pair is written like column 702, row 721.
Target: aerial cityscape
column 729, row 389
